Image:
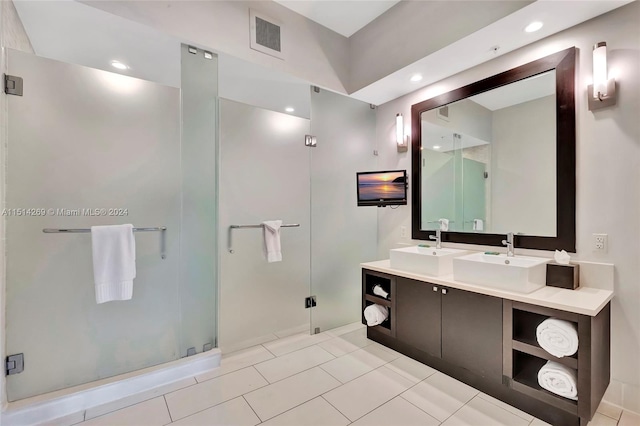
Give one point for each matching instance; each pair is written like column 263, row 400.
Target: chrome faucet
column 509, row 243
column 438, row 238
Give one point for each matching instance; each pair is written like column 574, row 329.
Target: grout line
column 267, row 349
column 265, row 379
column 336, row 408
column 168, row 410
column 254, row 411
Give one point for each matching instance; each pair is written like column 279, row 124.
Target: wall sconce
column 602, row 93
column 402, row 140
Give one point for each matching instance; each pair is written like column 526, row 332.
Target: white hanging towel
column 114, row 262
column 559, row 379
column 558, row 337
column 375, row 314
column 478, row 224
column 272, row 240
column 444, row 224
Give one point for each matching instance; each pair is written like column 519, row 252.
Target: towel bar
column 232, row 227
column 162, row 229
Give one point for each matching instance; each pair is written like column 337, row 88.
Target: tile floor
column 335, row 378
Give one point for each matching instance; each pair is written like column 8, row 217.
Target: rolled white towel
column 375, row 314
column 379, row 291
column 558, row 337
column 558, row 379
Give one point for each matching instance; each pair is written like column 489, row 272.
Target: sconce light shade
column 602, row 93
column 401, row 139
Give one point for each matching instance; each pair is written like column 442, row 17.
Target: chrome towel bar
column 232, row 227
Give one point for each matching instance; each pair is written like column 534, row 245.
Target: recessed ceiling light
column 416, row 77
column 119, row 65
column 533, row 27
column 289, row 109
column 437, row 147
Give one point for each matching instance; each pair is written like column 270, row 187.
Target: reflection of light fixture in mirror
column 416, row 77
column 119, row 65
column 401, row 139
column 602, row 93
column 533, row 27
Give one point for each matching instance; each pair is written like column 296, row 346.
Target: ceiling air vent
column 266, row 34
column 443, row 113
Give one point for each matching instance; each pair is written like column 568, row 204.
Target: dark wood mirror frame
column 564, row 64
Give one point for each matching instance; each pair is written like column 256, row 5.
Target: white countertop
column 583, row 300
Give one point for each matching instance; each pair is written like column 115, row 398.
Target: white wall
column 381, row 47
column 314, row 53
column 608, row 171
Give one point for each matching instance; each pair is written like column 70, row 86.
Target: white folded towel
column 559, row 379
column 478, row 224
column 272, row 240
column 114, row 262
column 444, row 224
column 558, row 337
column 375, row 314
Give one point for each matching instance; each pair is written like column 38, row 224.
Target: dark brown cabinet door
column 418, row 315
column 472, row 332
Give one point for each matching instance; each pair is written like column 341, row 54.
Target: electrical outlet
column 403, row 232
column 600, row 242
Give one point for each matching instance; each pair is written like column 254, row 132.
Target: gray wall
column 608, row 154
column 523, row 163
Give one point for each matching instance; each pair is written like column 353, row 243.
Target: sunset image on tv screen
column 381, row 186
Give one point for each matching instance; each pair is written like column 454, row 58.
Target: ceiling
column 74, row 32
column 343, row 17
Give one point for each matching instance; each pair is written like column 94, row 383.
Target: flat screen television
column 388, row 188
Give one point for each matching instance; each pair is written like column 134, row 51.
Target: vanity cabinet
column 443, row 322
column 489, row 342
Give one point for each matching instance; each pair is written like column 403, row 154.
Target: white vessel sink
column 424, row 260
column 520, row 274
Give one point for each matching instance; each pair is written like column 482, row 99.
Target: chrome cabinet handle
column 435, row 288
column 444, row 291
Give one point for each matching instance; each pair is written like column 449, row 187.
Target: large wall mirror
column 498, row 156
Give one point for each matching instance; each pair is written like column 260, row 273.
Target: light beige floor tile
column 359, row 396
column 69, row 420
column 317, row 412
column 236, row 361
column 411, row 369
column 293, row 343
column 355, row 364
column 440, row 395
column 382, row 352
column 339, row 331
column 149, row 413
column 281, row 396
column 204, row 395
column 481, row 412
column 629, row 419
column 504, row 405
column 602, row 420
column 135, row 399
column 538, row 422
column 293, row 363
column 347, row 343
column 396, row 412
column 610, row 410
column 235, row 412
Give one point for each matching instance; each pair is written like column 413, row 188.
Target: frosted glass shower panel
column 82, row 138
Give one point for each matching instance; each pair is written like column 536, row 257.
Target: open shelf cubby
column 525, row 379
column 525, row 324
column 375, row 280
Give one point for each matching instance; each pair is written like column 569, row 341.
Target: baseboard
column 54, row 405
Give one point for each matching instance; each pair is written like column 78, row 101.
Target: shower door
column 88, row 147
